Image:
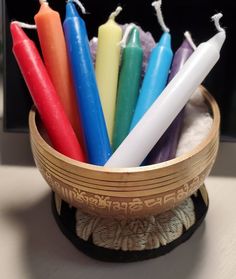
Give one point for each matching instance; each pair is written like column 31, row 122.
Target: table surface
column 32, row 246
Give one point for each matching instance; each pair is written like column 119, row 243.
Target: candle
column 157, row 72
column 107, row 67
column 53, row 46
column 165, row 148
column 44, row 95
column 131, row 66
column 156, row 120
column 91, row 115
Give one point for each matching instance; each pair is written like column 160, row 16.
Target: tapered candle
column 156, row 120
column 53, row 46
column 127, row 94
column 107, row 67
column 165, row 148
column 44, row 95
column 156, row 75
column 91, row 115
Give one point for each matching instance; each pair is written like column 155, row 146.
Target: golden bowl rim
column 215, row 125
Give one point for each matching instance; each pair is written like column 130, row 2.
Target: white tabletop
column 32, row 246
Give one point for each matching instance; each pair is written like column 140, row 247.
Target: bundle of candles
column 88, row 111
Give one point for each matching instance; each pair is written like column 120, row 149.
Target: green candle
column 128, row 87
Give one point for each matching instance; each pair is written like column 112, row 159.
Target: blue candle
column 155, row 78
column 88, row 101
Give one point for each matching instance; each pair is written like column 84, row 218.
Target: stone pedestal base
column 131, row 240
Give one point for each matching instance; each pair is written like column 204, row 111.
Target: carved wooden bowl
column 126, row 192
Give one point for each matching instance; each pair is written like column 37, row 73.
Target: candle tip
column 17, row 33
column 128, row 29
column 157, row 6
column 216, row 18
column 24, row 25
column 114, row 14
column 218, row 40
column 79, row 4
column 189, row 38
column 43, row 2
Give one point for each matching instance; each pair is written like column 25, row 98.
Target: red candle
column 44, row 95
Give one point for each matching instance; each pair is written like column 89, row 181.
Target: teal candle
column 155, row 78
column 128, row 87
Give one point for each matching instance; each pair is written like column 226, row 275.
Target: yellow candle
column 107, row 67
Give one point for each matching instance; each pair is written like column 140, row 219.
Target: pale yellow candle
column 107, row 67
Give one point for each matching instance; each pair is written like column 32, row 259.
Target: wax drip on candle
column 157, row 6
column 189, row 38
column 24, row 25
column 128, row 29
column 114, row 14
column 216, row 18
column 80, row 5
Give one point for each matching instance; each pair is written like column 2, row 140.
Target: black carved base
column 66, row 222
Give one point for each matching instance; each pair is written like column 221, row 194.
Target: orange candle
column 52, row 42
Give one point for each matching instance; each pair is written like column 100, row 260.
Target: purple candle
column 181, row 56
column 165, row 149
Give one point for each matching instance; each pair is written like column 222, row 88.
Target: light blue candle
column 155, row 78
column 91, row 114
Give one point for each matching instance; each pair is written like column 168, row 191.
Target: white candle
column 163, row 111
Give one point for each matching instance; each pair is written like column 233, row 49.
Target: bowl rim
column 216, row 121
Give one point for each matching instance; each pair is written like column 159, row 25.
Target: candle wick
column 189, row 38
column 80, row 5
column 114, row 14
column 24, row 25
column 43, row 2
column 157, row 6
column 216, row 18
column 126, row 34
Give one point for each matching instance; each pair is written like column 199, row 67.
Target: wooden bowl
column 126, row 192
